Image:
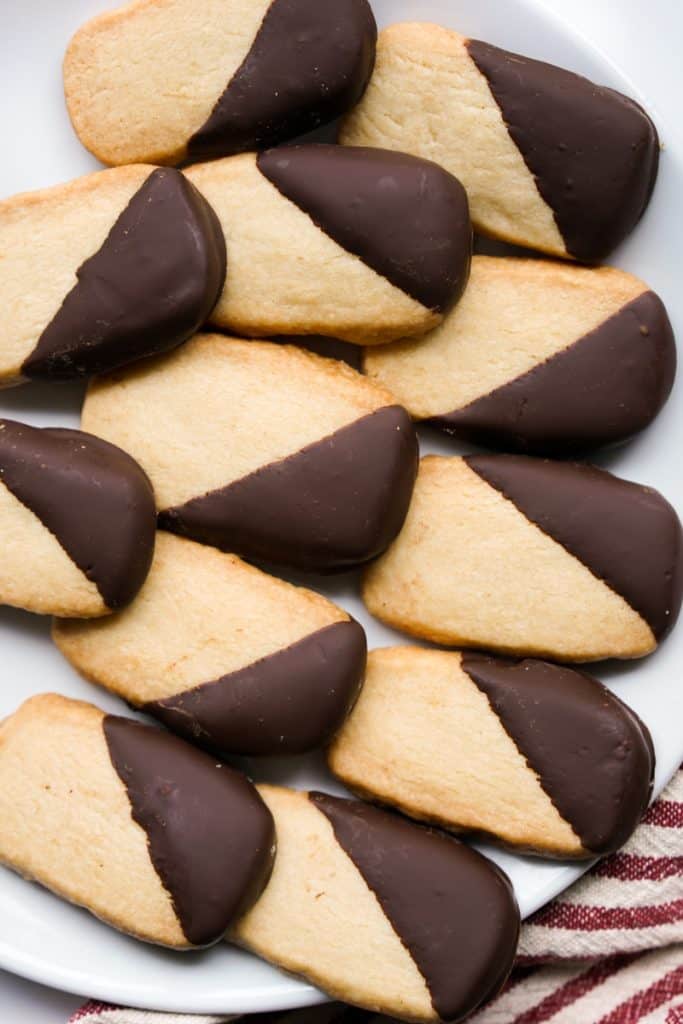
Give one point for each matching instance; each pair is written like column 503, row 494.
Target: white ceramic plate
column 59, row 945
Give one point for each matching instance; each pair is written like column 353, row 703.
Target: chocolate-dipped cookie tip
column 308, row 64
column 433, row 890
column 539, row 757
column 290, row 702
column 405, row 217
column 84, row 514
column 149, row 286
column 211, row 838
column 551, row 161
column 270, row 70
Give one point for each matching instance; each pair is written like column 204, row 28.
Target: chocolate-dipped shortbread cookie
column 550, row 160
column 77, row 521
column 358, row 244
column 538, row 357
column 528, row 556
column 536, row 755
column 380, row 912
column 161, row 81
column 105, row 270
column 149, row 834
column 226, row 656
column 264, row 450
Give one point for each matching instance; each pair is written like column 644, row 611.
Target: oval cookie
column 129, row 822
column 226, row 656
column 550, row 160
column 264, row 450
column 160, row 81
column 536, row 755
column 528, row 556
column 77, row 521
column 105, row 270
column 538, row 357
column 363, row 245
column 385, row 914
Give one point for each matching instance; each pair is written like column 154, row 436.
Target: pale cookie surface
column 380, row 912
column 230, row 658
column 77, row 519
column 104, row 270
column 160, row 80
column 315, row 469
column 528, row 556
column 362, row 245
column 82, row 796
column 535, row 755
column 513, row 130
column 538, row 357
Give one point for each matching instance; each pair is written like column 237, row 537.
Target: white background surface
column 642, row 39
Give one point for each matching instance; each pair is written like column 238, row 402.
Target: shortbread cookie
column 536, row 755
column 362, row 245
column 529, row 556
column 149, row 834
column 549, row 160
column 162, row 80
column 77, row 521
column 226, row 656
column 105, row 270
column 264, row 450
column 538, row 357
column 381, row 912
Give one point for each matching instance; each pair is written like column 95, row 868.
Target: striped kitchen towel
column 608, row 951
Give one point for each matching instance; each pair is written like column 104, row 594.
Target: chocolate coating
column 406, row 218
column 94, row 498
column 310, row 63
column 211, row 838
column 452, row 909
column 290, row 702
column 627, row 535
column 149, row 287
column 593, row 756
column 593, row 152
column 602, row 389
column 336, row 503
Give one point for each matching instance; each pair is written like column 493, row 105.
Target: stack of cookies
column 216, row 455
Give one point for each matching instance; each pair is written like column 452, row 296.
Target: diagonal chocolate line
column 405, row 218
column 289, row 702
column 334, row 504
column 149, row 287
column 432, row 889
column 210, row 836
column 309, row 63
column 593, row 152
column 628, row 536
column 94, row 498
column 601, row 389
column 593, row 756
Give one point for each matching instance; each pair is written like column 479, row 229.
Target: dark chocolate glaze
column 602, row 389
column 593, row 756
column 309, row 63
column 406, row 218
column 93, row 497
column 211, row 838
column 593, row 152
column 337, row 503
column 452, row 909
column 627, row 535
column 290, row 702
column 150, row 286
